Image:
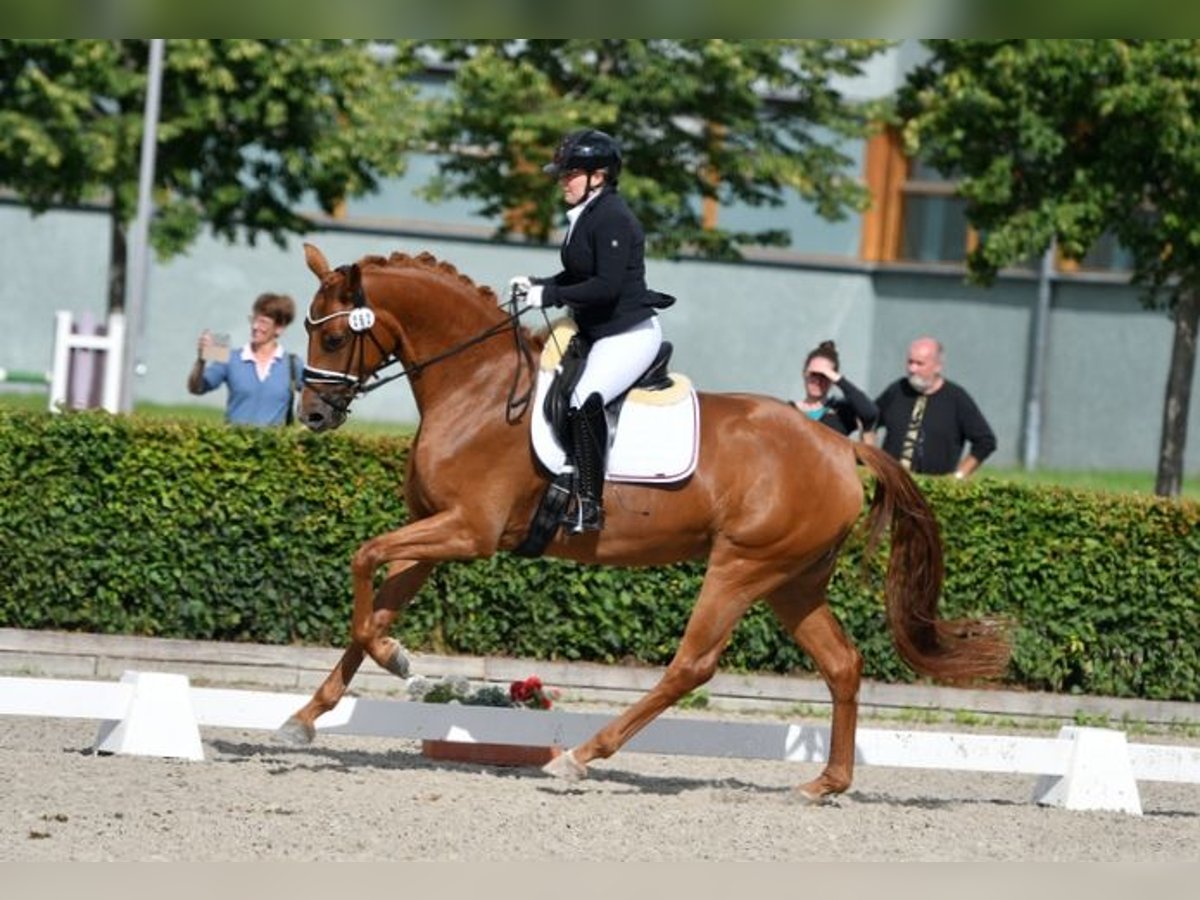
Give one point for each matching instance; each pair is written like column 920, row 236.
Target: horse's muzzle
column 319, row 415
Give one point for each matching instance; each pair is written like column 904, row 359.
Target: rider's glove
column 534, row 296
column 518, row 287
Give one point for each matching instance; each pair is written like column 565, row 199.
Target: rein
column 362, row 322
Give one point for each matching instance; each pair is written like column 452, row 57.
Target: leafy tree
column 718, row 120
column 1061, row 140
column 247, row 129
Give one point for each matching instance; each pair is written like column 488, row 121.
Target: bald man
column 928, row 419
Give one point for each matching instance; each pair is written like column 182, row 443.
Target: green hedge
column 115, row 525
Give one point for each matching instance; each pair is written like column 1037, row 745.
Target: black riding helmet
column 588, row 150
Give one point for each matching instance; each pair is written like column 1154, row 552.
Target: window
column 917, row 216
column 1106, row 255
column 934, row 228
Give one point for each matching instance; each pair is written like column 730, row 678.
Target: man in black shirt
column 928, row 418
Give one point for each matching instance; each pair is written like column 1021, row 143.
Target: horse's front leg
column 412, row 552
column 369, row 629
column 724, row 598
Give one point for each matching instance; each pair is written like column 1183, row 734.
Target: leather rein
column 362, row 324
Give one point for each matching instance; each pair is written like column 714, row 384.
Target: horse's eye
column 330, row 342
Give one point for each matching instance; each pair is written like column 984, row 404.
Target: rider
column 603, row 283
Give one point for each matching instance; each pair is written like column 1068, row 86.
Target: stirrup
column 588, row 515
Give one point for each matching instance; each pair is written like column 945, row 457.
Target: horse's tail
column 950, row 649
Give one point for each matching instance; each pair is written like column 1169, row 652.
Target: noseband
column 361, row 320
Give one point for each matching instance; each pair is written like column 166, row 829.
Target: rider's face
column 575, row 184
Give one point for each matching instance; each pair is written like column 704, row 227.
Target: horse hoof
column 566, row 767
column 399, row 664
column 806, row 797
column 295, row 733
column 814, row 794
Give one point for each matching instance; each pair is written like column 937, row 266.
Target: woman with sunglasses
column 850, row 412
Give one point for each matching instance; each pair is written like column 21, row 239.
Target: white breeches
column 616, row 362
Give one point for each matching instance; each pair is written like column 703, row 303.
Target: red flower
column 530, row 692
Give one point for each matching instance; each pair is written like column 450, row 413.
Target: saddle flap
column 567, row 373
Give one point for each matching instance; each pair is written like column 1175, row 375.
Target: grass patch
column 1104, row 481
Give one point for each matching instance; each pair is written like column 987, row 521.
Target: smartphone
column 218, row 350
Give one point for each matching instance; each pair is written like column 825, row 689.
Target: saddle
column 657, row 441
column 570, row 365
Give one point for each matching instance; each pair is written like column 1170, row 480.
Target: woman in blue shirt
column 262, row 378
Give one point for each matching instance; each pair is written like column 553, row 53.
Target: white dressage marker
column 159, row 721
column 145, row 714
column 1099, row 774
column 157, row 714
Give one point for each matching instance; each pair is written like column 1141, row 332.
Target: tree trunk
column 1169, row 482
column 117, row 267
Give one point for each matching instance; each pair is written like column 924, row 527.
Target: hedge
column 118, row 525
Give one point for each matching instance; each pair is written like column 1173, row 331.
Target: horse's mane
column 428, row 262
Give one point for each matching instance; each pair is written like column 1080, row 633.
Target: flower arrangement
column 530, row 693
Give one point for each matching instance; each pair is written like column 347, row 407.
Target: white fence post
column 1099, row 774
column 111, row 346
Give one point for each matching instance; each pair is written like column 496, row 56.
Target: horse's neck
column 436, row 331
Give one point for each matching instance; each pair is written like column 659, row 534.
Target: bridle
column 362, row 319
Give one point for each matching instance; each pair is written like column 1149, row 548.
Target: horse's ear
column 354, row 283
column 317, row 263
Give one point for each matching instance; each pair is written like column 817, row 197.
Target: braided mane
column 428, row 262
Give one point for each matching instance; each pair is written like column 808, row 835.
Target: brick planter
column 488, row 754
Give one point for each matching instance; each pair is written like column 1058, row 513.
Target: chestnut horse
column 772, row 499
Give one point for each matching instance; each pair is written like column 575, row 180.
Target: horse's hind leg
column 369, row 634
column 727, row 593
column 801, row 606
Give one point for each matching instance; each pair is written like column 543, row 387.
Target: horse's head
column 416, row 312
column 343, row 348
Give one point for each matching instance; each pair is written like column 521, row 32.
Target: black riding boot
column 589, row 434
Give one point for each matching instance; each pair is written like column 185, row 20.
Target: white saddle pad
column 655, row 441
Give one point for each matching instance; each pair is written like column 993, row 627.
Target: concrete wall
column 1106, row 364
column 985, row 334
column 735, row 327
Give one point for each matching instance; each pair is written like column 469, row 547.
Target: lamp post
column 139, row 257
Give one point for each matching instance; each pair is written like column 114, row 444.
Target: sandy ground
column 348, row 798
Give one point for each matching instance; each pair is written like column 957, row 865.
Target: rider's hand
column 204, row 344
column 534, row 296
column 519, row 286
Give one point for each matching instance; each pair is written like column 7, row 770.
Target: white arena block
column 64, row 698
column 158, row 722
column 1099, row 774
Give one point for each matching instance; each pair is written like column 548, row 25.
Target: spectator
column 928, row 419
column 262, row 378
column 851, row 412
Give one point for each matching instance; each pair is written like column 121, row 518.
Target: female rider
column 603, row 283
